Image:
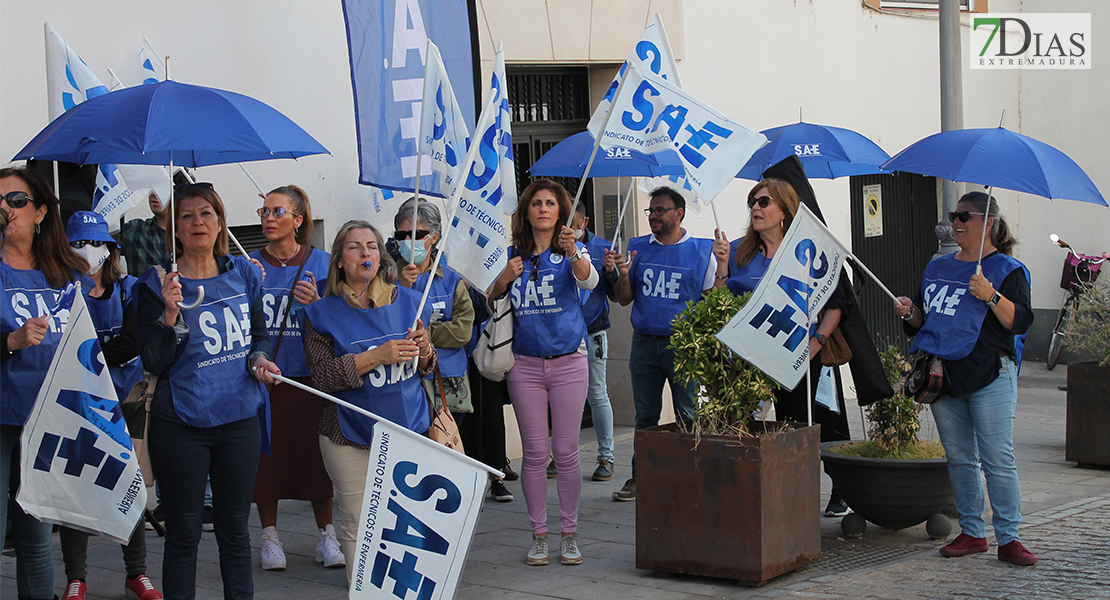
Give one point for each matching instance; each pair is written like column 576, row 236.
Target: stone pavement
column 1067, row 523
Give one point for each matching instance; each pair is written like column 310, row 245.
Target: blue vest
column 745, row 278
column 275, row 301
column 953, row 317
column 107, row 317
column 547, row 312
column 28, row 295
column 441, row 299
column 210, row 379
column 393, row 392
column 664, row 278
column 596, row 303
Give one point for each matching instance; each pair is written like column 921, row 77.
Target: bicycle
column 1079, row 270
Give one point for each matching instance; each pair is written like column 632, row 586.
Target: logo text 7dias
column 1031, row 41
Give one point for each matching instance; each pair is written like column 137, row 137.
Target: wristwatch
column 821, row 338
column 575, row 257
column 995, row 299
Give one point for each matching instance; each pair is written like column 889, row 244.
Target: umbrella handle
column 194, row 303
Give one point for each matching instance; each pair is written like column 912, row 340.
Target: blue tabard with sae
column 441, row 299
column 745, row 278
column 211, row 381
column 596, row 302
column 276, row 297
column 547, row 308
column 393, row 392
column 953, row 316
column 664, row 278
column 107, row 317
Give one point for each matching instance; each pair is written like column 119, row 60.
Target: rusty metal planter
column 746, row 509
column 1087, row 441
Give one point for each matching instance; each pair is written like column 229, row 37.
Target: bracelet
column 909, row 317
column 821, row 338
column 720, row 277
column 575, row 257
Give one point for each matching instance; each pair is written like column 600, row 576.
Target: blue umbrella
column 826, row 152
column 998, row 157
column 160, row 123
column 568, row 158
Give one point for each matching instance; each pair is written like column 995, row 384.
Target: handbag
column 836, row 352
column 443, row 430
column 135, row 407
column 493, row 354
column 928, row 380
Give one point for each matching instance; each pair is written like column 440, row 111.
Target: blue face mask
column 412, row 251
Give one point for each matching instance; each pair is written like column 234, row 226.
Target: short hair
column 426, row 213
column 675, row 197
column 301, row 207
column 207, row 193
column 581, row 209
column 387, row 269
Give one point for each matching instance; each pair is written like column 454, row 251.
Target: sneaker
column 75, row 590
column 510, row 474
column 538, row 554
column 627, row 493
column 327, row 549
column 1015, row 553
column 551, row 472
column 206, row 519
column 604, row 471
column 964, row 544
column 140, row 588
column 568, row 550
column 499, row 492
column 273, row 553
column 836, row 508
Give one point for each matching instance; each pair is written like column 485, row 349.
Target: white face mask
column 95, row 256
column 578, row 233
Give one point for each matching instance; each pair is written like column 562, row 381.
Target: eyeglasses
column 203, row 184
column 535, row 263
column 762, row 201
column 962, row 216
column 279, row 212
column 658, row 211
column 403, row 234
column 82, row 243
column 17, row 199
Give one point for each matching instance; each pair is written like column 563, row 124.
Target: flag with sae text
column 772, row 331
column 444, row 137
column 78, row 465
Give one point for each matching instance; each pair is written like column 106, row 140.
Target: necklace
column 287, row 258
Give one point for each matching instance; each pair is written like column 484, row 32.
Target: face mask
column 412, row 251
column 578, row 233
column 95, row 256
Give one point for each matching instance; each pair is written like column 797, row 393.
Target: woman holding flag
column 359, row 347
column 211, row 361
column 37, row 265
column 112, row 309
column 294, row 469
column 550, row 373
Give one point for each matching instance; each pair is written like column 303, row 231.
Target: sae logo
column 1031, row 41
column 618, row 154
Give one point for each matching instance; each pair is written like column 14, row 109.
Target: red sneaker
column 1015, row 553
column 140, row 588
column 963, row 545
column 75, row 590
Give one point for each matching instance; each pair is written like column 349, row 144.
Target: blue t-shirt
column 664, row 278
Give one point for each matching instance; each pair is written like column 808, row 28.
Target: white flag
column 78, row 467
column 652, row 53
column 152, row 66
column 772, row 331
column 444, row 137
column 678, row 182
column 477, row 246
column 384, row 203
column 419, row 510
column 69, row 81
column 651, row 115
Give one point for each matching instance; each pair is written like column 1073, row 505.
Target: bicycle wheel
column 1059, row 332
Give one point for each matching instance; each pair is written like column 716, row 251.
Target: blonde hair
column 209, row 195
column 784, row 197
column 387, row 269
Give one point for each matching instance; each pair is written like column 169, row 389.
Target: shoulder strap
column 289, row 305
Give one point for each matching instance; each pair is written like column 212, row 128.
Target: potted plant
column 1087, row 442
column 725, row 495
column 893, row 480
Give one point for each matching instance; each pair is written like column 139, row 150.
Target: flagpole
column 593, row 154
column 986, row 213
column 420, row 155
column 383, row 421
column 809, row 375
column 620, row 218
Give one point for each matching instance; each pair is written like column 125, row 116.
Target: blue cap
column 87, row 225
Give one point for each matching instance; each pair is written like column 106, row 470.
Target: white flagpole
column 593, row 154
column 986, row 213
column 809, row 377
column 620, row 217
column 420, row 155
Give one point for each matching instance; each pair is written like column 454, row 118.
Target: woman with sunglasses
column 294, row 469
column 112, row 309
column 549, row 340
column 211, row 362
column 772, row 204
column 37, row 265
column 359, row 347
column 970, row 317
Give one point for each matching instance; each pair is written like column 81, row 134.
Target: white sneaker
column 327, row 549
column 273, row 553
column 538, row 555
column 568, row 550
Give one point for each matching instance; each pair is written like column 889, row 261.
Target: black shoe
column 551, row 472
column 499, row 492
column 836, row 508
column 510, row 474
column 626, row 493
column 206, row 519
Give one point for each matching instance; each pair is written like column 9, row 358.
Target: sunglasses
column 535, row 263
column 762, row 201
column 17, row 199
column 962, row 216
column 82, row 243
column 658, row 211
column 403, row 234
column 279, row 212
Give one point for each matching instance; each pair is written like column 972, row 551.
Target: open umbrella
column 568, row 158
column 826, row 152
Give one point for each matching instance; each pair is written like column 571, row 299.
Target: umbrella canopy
column 826, row 152
column 568, row 158
column 998, row 157
column 153, row 124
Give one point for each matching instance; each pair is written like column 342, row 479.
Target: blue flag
column 387, row 42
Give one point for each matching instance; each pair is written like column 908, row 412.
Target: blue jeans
column 34, row 547
column 597, row 345
column 980, row 427
column 226, row 455
column 652, row 364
